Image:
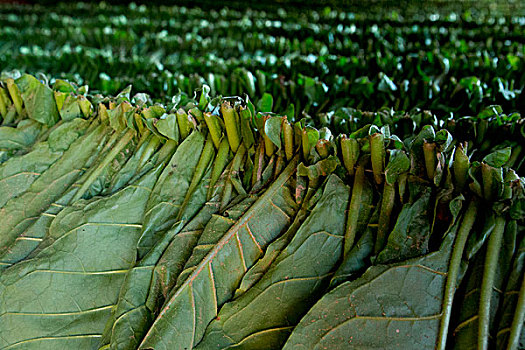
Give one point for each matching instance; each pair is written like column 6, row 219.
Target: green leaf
column 117, row 119
column 215, row 278
column 310, row 139
column 273, row 128
column 70, row 108
column 169, row 192
column 168, row 126
column 265, row 104
column 63, row 136
column 39, row 100
column 257, row 271
column 360, row 208
column 21, row 137
column 427, row 133
column 498, row 158
column 39, row 225
column 204, row 97
column 321, row 168
column 47, row 188
column 18, row 173
column 444, row 140
column 380, row 308
column 124, row 95
column 147, row 284
column 398, row 163
column 411, row 233
column 63, row 295
column 289, row 287
column 63, row 86
column 358, row 257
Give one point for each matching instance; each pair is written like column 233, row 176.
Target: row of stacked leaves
column 214, row 223
column 310, row 59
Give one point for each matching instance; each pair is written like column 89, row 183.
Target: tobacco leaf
column 19, row 212
column 168, row 194
column 195, row 302
column 291, row 284
column 18, row 173
column 39, row 100
column 63, row 296
column 411, row 232
column 148, row 283
column 396, row 305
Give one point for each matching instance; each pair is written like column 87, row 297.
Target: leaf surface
column 21, row 211
column 291, row 284
column 39, row 100
column 218, row 274
column 390, row 306
column 64, row 294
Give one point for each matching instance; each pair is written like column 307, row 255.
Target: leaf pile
column 212, row 222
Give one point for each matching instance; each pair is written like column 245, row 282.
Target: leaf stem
column 268, row 144
column 184, row 123
column 488, row 181
column 288, row 140
column 517, row 320
column 322, row 148
column 15, row 96
column 429, row 151
column 487, row 284
column 246, row 128
column 350, row 152
column 387, row 204
column 149, row 150
column 3, row 104
column 197, row 113
column 214, row 127
column 461, row 165
column 453, row 271
column 353, row 210
column 377, row 154
column 166, row 150
column 231, row 123
column 219, row 164
column 258, row 164
column 235, row 166
column 206, row 156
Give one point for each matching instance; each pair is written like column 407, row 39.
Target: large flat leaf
column 257, row 271
column 215, row 229
column 35, row 236
column 21, row 137
column 18, row 173
column 39, row 100
column 390, row 306
column 184, row 317
column 63, row 296
column 147, row 284
column 21, row 211
column 168, row 194
column 292, row 283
